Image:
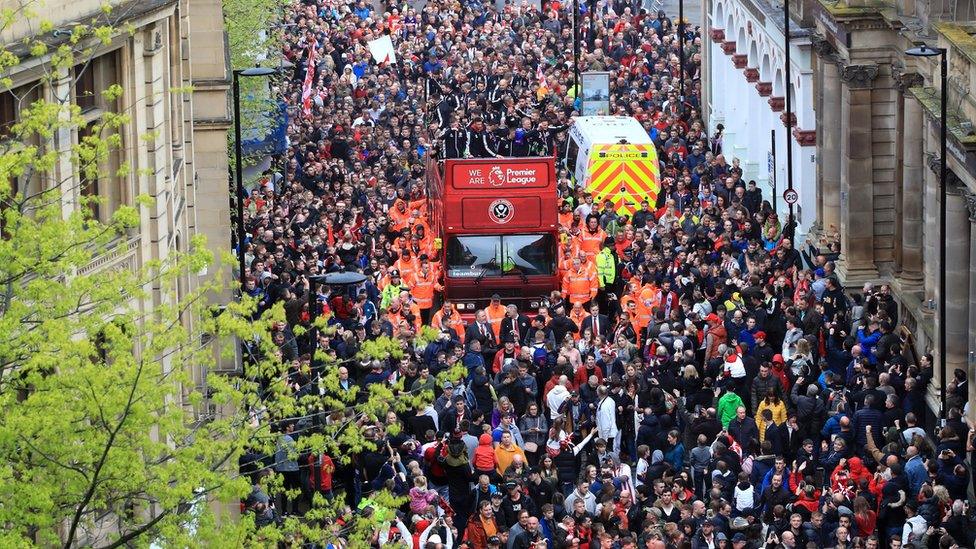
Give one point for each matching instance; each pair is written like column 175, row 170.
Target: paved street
column 692, row 9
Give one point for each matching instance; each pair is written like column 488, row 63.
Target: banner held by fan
column 309, row 77
column 382, row 50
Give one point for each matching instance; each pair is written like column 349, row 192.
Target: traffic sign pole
column 791, row 197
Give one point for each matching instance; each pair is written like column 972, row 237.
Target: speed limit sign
column 791, row 196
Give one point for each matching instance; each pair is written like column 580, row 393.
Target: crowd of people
column 713, row 388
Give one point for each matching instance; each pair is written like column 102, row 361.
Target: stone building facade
column 162, row 48
column 866, row 140
column 745, row 67
column 878, row 123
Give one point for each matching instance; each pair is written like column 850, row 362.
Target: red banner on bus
column 500, row 174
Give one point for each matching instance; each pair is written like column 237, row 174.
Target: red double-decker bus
column 496, row 219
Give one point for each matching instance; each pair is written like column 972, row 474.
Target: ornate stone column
column 856, row 263
column 827, row 107
column 913, row 185
column 957, row 243
column 829, row 158
column 930, row 224
column 971, row 207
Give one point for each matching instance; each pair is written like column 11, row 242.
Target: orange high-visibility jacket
column 578, row 318
column 580, row 286
column 591, row 243
column 566, row 220
column 407, row 267
column 398, row 220
column 495, row 314
column 422, row 288
column 453, row 321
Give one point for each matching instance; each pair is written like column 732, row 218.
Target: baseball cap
column 494, row 540
column 738, row 538
column 448, row 385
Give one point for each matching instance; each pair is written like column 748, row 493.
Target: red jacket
column 475, row 533
column 320, row 469
column 498, row 362
column 582, row 375
column 484, row 454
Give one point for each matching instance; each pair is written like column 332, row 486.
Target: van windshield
column 493, row 255
column 572, row 152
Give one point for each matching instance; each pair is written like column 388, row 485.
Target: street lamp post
column 576, row 48
column 238, row 161
column 791, row 222
column 592, row 34
column 681, row 50
column 925, row 51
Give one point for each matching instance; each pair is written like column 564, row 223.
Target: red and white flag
column 309, row 77
column 543, row 88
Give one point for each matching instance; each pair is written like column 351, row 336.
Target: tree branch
column 93, row 483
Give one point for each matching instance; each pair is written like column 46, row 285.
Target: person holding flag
column 309, row 77
column 543, row 89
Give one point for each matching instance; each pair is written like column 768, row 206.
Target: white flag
column 382, row 50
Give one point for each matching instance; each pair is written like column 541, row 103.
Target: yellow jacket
column 779, row 416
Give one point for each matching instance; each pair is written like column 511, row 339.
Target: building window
column 88, row 179
column 91, row 80
column 85, row 86
column 8, row 113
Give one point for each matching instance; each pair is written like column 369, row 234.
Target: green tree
column 106, row 439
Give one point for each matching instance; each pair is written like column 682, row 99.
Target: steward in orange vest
column 591, row 238
column 423, row 284
column 579, row 284
column 495, row 312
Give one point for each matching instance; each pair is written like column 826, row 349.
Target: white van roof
column 601, row 130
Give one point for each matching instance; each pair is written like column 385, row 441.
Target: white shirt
column 642, row 467
column 606, row 419
column 909, row 434
column 584, row 210
column 913, row 530
column 736, row 368
column 588, row 499
column 557, row 395
column 744, row 498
